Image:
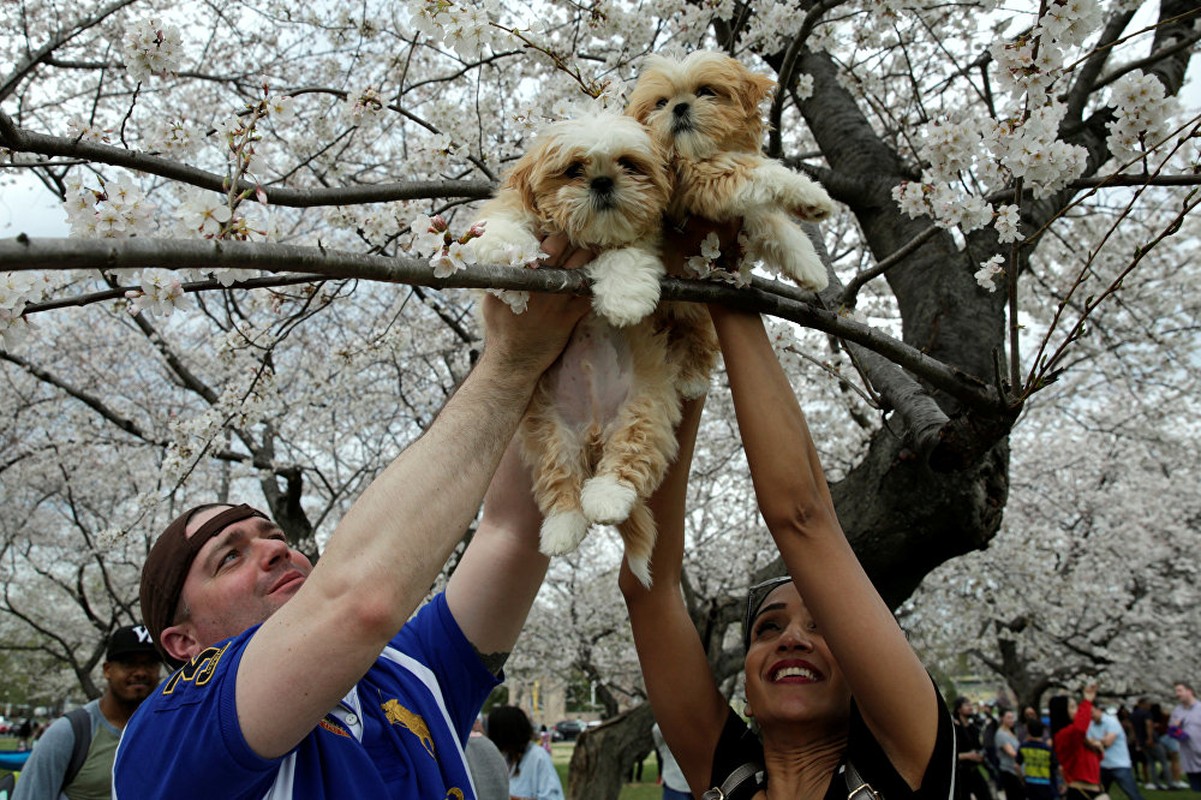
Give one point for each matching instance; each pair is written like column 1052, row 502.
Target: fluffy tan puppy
column 599, row 432
column 705, row 111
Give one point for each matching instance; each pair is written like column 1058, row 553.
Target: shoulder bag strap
column 81, row 727
column 748, row 776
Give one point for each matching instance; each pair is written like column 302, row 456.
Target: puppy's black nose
column 602, row 184
column 680, row 110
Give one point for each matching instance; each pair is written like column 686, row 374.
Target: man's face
column 240, row 577
column 1097, row 714
column 1184, row 694
column 132, row 678
column 967, row 710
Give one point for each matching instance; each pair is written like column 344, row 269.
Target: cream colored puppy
column 705, row 110
column 599, row 432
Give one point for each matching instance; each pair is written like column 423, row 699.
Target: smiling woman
column 841, row 703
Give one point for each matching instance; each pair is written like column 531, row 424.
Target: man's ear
column 178, row 641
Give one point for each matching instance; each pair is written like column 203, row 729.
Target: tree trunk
column 604, row 755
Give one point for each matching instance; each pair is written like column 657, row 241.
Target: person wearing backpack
column 74, row 757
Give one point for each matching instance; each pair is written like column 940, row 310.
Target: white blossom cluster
column 465, row 27
column 17, row 289
column 967, row 157
column 160, row 292
column 1141, row 113
column 704, row 266
column 116, row 209
column 447, row 254
column 152, row 48
column 363, row 103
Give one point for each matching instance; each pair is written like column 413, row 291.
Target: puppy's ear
column 521, row 179
column 752, row 88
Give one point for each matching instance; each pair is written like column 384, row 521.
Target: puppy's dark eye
column 661, row 102
column 629, row 166
column 574, row 171
column 706, row 91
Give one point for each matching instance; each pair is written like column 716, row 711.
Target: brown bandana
column 169, row 561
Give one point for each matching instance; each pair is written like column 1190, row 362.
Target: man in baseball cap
column 75, row 754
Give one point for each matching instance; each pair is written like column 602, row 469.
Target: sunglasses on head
column 754, row 599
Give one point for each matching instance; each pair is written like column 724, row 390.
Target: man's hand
column 535, row 338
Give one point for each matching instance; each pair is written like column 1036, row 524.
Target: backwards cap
column 168, row 563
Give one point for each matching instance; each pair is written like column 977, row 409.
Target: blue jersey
column 398, row 734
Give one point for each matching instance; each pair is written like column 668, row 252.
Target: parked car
column 568, row 730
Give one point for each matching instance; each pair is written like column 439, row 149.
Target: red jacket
column 1079, row 762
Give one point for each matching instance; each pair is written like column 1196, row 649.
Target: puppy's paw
column 804, row 267
column 606, row 500
column 623, row 308
column 814, row 205
column 562, row 532
column 625, row 284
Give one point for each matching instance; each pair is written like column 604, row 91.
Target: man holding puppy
column 311, row 682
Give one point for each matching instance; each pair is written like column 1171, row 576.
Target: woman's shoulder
column 877, row 771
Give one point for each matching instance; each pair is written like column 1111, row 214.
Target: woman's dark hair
column 1057, row 709
column 510, row 730
column 959, row 703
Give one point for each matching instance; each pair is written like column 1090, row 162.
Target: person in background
column 1006, row 742
column 544, row 739
column 1039, row 767
column 132, row 668
column 1159, row 765
column 1171, row 747
column 489, row 773
column 674, row 785
column 1184, row 726
column 1115, row 760
column 969, row 781
column 532, row 774
column 1079, row 756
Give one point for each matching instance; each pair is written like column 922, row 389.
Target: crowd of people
column 1078, row 749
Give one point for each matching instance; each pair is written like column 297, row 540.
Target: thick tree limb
column 777, row 300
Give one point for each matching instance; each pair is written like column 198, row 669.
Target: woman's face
column 1073, row 707
column 791, row 675
column 1008, row 718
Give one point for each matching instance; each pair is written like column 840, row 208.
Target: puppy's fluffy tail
column 639, row 533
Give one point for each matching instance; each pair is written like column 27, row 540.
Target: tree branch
column 23, row 253
column 27, row 66
column 24, row 141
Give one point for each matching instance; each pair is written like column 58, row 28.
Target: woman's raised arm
column 891, row 687
column 683, row 694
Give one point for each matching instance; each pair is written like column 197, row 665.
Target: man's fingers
column 561, row 254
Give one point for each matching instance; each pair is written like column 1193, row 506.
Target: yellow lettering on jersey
column 199, row 670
